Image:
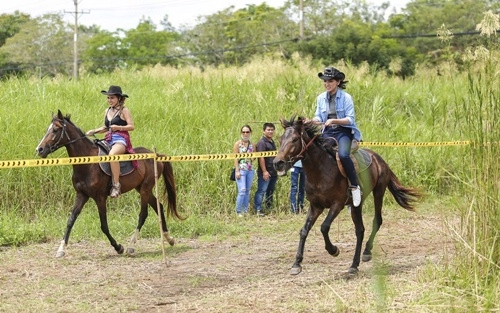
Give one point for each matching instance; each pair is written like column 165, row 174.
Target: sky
column 126, row 14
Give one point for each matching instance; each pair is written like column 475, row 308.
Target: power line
column 467, row 33
column 75, row 38
column 156, row 57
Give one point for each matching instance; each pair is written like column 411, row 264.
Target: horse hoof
column 170, row 240
column 60, row 254
column 352, row 271
column 295, row 270
column 336, row 252
column 120, row 249
column 130, row 250
column 366, row 257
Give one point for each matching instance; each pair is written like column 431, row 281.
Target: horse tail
column 169, row 192
column 405, row 197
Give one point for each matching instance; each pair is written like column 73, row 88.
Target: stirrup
column 115, row 190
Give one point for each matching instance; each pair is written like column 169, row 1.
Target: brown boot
column 115, row 190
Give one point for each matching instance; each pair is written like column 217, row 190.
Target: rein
column 300, row 156
column 63, row 132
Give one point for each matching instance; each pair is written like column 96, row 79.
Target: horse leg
column 325, row 229
column 143, row 214
column 166, row 235
column 378, row 199
column 101, row 207
column 311, row 218
column 80, row 201
column 357, row 218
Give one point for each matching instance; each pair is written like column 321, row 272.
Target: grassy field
column 188, row 111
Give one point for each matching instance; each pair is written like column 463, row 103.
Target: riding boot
column 115, row 190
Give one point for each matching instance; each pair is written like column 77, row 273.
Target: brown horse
column 90, row 181
column 326, row 187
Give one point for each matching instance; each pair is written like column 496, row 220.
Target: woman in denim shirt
column 335, row 110
column 244, row 171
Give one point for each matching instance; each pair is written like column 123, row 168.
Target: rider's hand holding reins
column 92, row 132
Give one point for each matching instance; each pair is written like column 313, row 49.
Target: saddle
column 360, row 158
column 126, row 167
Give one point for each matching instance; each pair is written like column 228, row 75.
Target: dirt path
column 244, row 275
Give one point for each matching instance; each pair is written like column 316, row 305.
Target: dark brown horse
column 326, row 187
column 90, row 181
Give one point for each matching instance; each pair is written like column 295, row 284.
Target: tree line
column 355, row 31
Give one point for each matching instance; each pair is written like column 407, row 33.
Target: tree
column 420, row 21
column 206, row 41
column 234, row 37
column 146, row 46
column 102, row 53
column 10, row 24
column 43, row 44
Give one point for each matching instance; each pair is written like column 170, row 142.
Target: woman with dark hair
column 335, row 110
column 244, row 171
column 117, row 125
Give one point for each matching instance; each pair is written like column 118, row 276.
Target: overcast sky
column 126, row 14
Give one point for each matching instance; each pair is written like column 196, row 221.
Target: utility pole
column 301, row 19
column 75, row 38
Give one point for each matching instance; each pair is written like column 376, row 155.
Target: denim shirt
column 344, row 107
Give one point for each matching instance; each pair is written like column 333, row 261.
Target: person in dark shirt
column 117, row 125
column 266, row 174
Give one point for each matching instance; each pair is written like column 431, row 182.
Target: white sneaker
column 356, row 196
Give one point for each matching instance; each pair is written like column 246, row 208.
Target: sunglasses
column 245, row 132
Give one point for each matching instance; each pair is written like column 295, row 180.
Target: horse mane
column 301, row 124
column 67, row 118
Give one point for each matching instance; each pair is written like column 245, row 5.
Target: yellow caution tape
column 211, row 157
column 200, row 157
column 75, row 160
column 415, row 144
column 130, row 157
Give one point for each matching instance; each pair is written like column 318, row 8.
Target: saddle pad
column 126, row 167
column 361, row 160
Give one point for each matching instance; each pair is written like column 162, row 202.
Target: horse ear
column 59, row 115
column 283, row 122
column 301, row 120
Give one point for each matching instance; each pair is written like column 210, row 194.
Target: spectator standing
column 298, row 181
column 244, row 171
column 266, row 174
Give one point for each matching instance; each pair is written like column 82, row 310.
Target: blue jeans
column 244, row 184
column 298, row 180
column 264, row 189
column 344, row 139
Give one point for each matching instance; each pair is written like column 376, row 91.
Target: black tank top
column 117, row 120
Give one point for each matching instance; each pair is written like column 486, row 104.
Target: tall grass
column 189, row 111
column 477, row 268
column 473, row 277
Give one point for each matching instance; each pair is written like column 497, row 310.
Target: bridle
column 57, row 145
column 300, row 156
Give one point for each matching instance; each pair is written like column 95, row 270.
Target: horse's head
column 55, row 137
column 293, row 142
